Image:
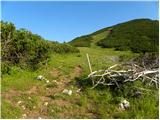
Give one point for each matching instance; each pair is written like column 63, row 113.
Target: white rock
column 79, row 90
column 124, row 101
column 24, row 115
column 39, row 118
column 23, row 107
column 19, row 102
column 124, row 105
column 46, row 103
column 40, row 77
column 121, row 107
column 29, row 98
column 47, row 81
column 34, row 107
column 68, row 92
column 65, row 91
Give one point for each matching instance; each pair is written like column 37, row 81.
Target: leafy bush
column 25, row 49
column 5, row 68
column 63, row 48
column 83, row 41
column 22, row 47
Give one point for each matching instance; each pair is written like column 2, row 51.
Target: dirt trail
column 10, row 94
column 41, row 109
column 63, row 80
column 76, row 72
column 55, row 72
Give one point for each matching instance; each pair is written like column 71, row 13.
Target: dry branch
column 132, row 72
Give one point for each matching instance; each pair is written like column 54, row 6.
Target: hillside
column 25, row 97
column 91, row 39
column 36, row 73
column 139, row 35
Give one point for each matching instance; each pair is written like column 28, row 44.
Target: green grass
column 18, row 80
column 101, row 102
column 28, row 100
column 54, row 110
column 9, row 111
column 98, row 37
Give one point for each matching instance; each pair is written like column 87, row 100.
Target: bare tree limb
column 131, row 73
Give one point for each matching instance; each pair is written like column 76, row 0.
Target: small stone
column 65, row 91
column 54, row 81
column 19, row 102
column 29, row 98
column 24, row 115
column 46, row 103
column 23, row 107
column 79, row 90
column 40, row 77
column 69, row 92
column 121, row 107
column 34, row 107
column 138, row 94
column 124, row 105
column 39, row 118
column 47, row 81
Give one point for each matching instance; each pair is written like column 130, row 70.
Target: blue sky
column 63, row 21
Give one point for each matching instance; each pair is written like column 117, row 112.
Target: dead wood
column 117, row 73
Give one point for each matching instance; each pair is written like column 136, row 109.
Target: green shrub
column 83, row 41
column 27, row 50
column 5, row 68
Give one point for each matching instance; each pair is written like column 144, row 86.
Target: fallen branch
column 132, row 72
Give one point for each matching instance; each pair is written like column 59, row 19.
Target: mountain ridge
column 122, row 36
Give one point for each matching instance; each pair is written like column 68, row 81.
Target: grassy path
column 23, row 96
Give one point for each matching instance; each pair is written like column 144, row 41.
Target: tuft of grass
column 53, row 110
column 140, row 109
column 82, row 101
column 51, row 85
column 28, row 100
column 19, row 81
column 9, row 111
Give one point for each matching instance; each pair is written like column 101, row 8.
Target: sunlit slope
column 139, row 35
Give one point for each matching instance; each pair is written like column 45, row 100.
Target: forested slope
column 139, row 35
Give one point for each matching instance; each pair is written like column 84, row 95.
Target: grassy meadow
column 23, row 96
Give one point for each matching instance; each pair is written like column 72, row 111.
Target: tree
column 7, row 36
